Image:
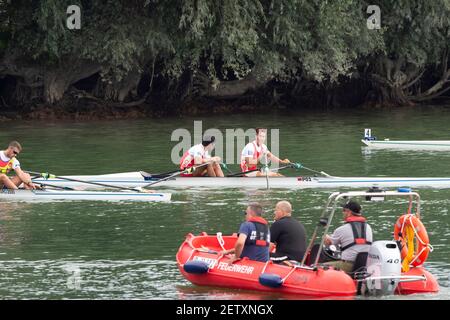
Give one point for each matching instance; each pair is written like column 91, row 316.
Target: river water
column 91, row 250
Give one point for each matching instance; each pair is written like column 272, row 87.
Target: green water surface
column 95, row 250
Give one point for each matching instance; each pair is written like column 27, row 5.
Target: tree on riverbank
column 414, row 66
column 151, row 52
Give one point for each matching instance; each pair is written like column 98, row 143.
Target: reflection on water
column 77, row 279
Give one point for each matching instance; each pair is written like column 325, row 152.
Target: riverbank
column 204, row 107
column 110, row 112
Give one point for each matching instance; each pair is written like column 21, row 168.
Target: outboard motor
column 383, row 262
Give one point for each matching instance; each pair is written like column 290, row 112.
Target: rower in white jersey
column 199, row 154
column 256, row 151
column 8, row 162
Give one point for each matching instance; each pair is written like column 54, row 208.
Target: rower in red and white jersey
column 254, row 152
column 199, row 154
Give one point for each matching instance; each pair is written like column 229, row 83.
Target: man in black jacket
column 287, row 234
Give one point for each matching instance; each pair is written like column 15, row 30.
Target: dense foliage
column 136, row 51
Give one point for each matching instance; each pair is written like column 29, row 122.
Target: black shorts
column 278, row 257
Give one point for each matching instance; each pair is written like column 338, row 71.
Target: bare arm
column 199, row 160
column 274, row 158
column 22, row 175
column 239, row 246
column 25, row 177
column 272, row 247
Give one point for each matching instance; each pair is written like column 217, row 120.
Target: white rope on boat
column 294, row 267
column 220, row 240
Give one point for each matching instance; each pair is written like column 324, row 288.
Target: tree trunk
column 228, row 89
column 58, row 80
column 119, row 91
column 399, row 82
column 49, row 84
column 55, row 85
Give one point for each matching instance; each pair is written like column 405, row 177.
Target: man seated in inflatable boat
column 354, row 236
column 287, row 235
column 254, row 236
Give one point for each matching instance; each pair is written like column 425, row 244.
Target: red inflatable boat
column 199, row 261
column 429, row 285
column 388, row 267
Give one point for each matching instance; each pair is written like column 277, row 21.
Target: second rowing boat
column 52, row 195
column 436, row 145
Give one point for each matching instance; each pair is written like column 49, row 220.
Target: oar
column 294, row 165
column 148, row 175
column 319, row 172
column 47, row 175
column 290, row 165
column 266, row 169
column 176, row 174
column 54, row 186
column 166, row 178
column 242, row 173
column 51, row 185
column 224, row 166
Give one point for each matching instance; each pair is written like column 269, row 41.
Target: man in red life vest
column 254, row 236
column 198, row 155
column 354, row 236
column 256, row 151
column 8, row 162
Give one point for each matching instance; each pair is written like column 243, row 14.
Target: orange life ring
column 407, row 228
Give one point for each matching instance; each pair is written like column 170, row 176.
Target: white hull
column 135, row 179
column 305, row 182
column 125, row 179
column 54, row 195
column 443, row 145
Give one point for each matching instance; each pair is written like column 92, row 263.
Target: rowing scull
column 373, row 142
column 53, row 195
column 440, row 145
column 136, row 179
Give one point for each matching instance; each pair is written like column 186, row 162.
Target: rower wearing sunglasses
column 9, row 162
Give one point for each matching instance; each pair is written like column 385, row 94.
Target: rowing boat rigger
column 141, row 179
column 55, row 195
